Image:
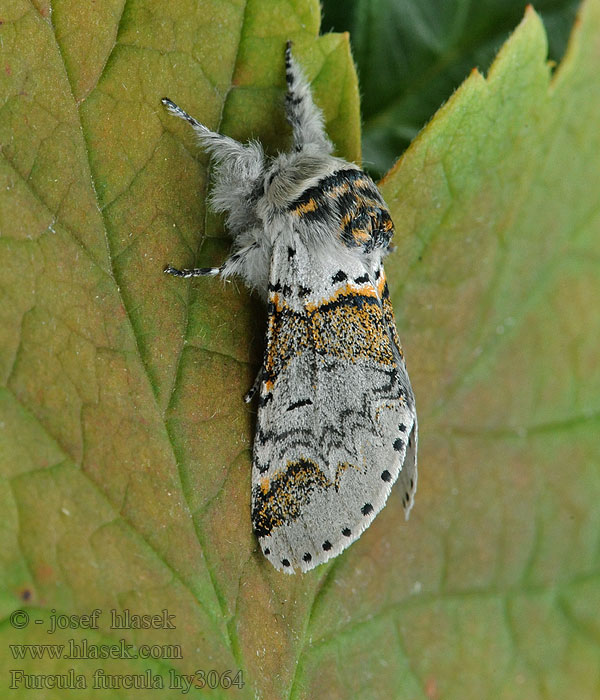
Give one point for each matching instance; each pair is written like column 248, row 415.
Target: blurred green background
column 411, row 55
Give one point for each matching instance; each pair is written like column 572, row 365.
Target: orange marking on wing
column 301, row 209
column 381, row 283
column 365, row 202
column 280, row 304
column 346, row 219
column 346, row 290
column 338, row 190
column 359, row 234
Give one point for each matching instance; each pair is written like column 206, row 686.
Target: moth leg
column 182, row 114
column 233, row 265
column 255, row 386
column 193, row 271
column 232, row 157
column 303, row 115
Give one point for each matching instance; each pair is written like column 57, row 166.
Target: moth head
column 287, row 176
column 250, row 186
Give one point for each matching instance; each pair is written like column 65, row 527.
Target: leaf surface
column 125, row 449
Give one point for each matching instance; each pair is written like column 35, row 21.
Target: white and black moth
column 336, row 423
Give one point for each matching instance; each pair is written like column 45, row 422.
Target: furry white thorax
column 255, row 190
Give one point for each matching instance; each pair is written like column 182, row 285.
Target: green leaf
column 125, row 448
column 126, row 443
column 411, row 55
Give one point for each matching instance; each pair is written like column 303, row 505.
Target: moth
column 337, row 424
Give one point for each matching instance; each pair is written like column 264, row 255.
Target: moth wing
column 335, row 409
column 407, row 479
